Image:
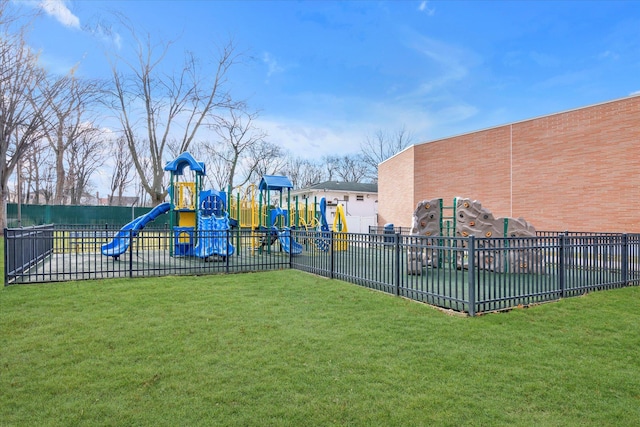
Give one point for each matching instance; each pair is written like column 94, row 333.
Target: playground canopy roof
column 274, row 182
column 185, row 159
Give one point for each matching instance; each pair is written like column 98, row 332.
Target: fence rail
column 25, row 247
column 471, row 275
column 381, row 229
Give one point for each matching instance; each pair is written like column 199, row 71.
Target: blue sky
column 326, row 74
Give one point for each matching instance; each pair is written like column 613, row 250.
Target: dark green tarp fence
column 78, row 215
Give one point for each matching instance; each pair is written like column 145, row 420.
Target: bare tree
column 164, row 106
column 67, row 102
column 351, row 168
column 217, row 169
column 84, row 157
column 235, row 154
column 347, row 168
column 303, row 172
column 46, row 174
column 265, row 158
column 330, row 165
column 121, row 176
column 380, row 146
column 20, row 101
column 36, row 172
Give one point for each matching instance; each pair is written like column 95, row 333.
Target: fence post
column 397, row 266
column 226, row 250
column 291, row 246
column 561, row 267
column 130, row 253
column 331, row 254
column 472, row 275
column 6, row 255
column 625, row 259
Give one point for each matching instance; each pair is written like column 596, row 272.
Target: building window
column 360, row 197
column 346, row 198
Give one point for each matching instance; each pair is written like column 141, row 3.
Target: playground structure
column 475, row 273
column 200, row 220
column 251, row 209
column 277, row 220
column 466, row 218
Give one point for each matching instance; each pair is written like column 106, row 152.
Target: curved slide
column 285, row 237
column 212, row 236
column 121, row 241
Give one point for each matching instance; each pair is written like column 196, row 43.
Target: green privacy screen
column 78, row 215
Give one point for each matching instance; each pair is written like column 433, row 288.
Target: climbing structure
column 199, row 218
column 469, row 218
column 185, row 186
column 275, row 220
column 427, row 221
column 474, row 220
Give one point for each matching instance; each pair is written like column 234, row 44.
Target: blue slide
column 284, row 237
column 212, row 236
column 122, row 240
column 322, row 243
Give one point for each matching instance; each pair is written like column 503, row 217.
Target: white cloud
column 273, row 67
column 108, row 35
column 327, row 124
column 424, row 7
column 59, row 10
column 452, row 65
column 637, row 92
column 608, row 55
column 308, row 139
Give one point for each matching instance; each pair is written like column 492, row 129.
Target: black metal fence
column 471, row 275
column 25, row 248
column 77, row 254
column 388, row 229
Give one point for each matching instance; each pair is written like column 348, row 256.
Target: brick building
column 577, row 170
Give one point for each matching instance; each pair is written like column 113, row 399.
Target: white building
column 360, row 202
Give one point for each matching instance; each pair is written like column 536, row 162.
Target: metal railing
column 471, row 275
column 25, row 247
column 476, row 275
column 380, row 229
column 77, row 254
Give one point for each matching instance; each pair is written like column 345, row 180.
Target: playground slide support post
column 229, row 197
column 260, row 209
column 315, row 208
column 289, row 207
column 472, row 275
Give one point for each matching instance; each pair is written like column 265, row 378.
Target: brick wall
column 396, row 189
column 577, row 170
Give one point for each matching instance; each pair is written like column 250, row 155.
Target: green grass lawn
column 285, row 348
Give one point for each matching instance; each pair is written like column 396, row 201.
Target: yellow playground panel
column 246, row 209
column 185, row 196
column 90, row 242
column 340, row 228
